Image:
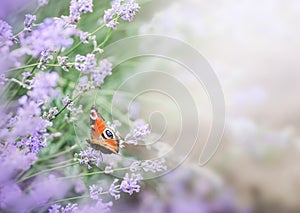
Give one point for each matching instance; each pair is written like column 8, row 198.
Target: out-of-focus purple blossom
column 76, row 111
column 51, row 35
column 43, row 86
column 100, row 206
column 45, row 57
column 78, row 7
column 42, row 3
column 69, row 208
column 88, row 157
column 85, row 64
column 3, row 79
column 114, row 190
column 28, row 120
column 154, row 166
column 95, row 191
column 28, row 23
column 134, row 110
column 131, row 184
column 138, row 133
column 54, row 208
column 13, row 161
column 79, row 187
column 103, row 70
column 6, row 34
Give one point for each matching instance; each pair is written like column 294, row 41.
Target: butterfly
column 103, row 138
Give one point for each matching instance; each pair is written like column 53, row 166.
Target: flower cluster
column 154, row 166
column 89, row 157
column 100, row 206
column 127, row 185
column 28, row 23
column 6, row 34
column 85, row 64
column 125, row 9
column 78, row 7
column 40, row 40
column 138, row 133
column 103, row 70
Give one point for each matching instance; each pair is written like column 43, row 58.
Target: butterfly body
column 103, row 138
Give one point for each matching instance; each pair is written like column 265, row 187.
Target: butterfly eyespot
column 109, row 133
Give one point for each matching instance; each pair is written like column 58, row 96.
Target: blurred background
column 253, row 46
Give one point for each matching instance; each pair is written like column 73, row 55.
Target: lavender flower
column 41, row 40
column 101, row 72
column 114, row 190
column 130, row 184
column 70, row 208
column 6, row 34
column 43, row 87
column 76, row 111
column 88, row 157
column 28, row 121
column 126, row 9
column 32, row 143
column 95, row 192
column 149, row 165
column 3, row 79
column 29, row 19
column 13, row 161
column 84, row 36
column 66, row 100
column 45, row 57
column 85, row 64
column 138, row 133
column 51, row 113
column 54, row 208
column 100, row 206
column 79, row 7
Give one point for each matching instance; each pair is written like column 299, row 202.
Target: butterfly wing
column 102, row 138
column 107, row 146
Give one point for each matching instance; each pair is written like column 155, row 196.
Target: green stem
column 45, row 171
column 58, row 154
column 79, row 43
column 62, row 109
column 91, row 173
column 24, row 67
column 106, row 38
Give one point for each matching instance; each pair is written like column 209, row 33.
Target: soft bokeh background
column 253, row 46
